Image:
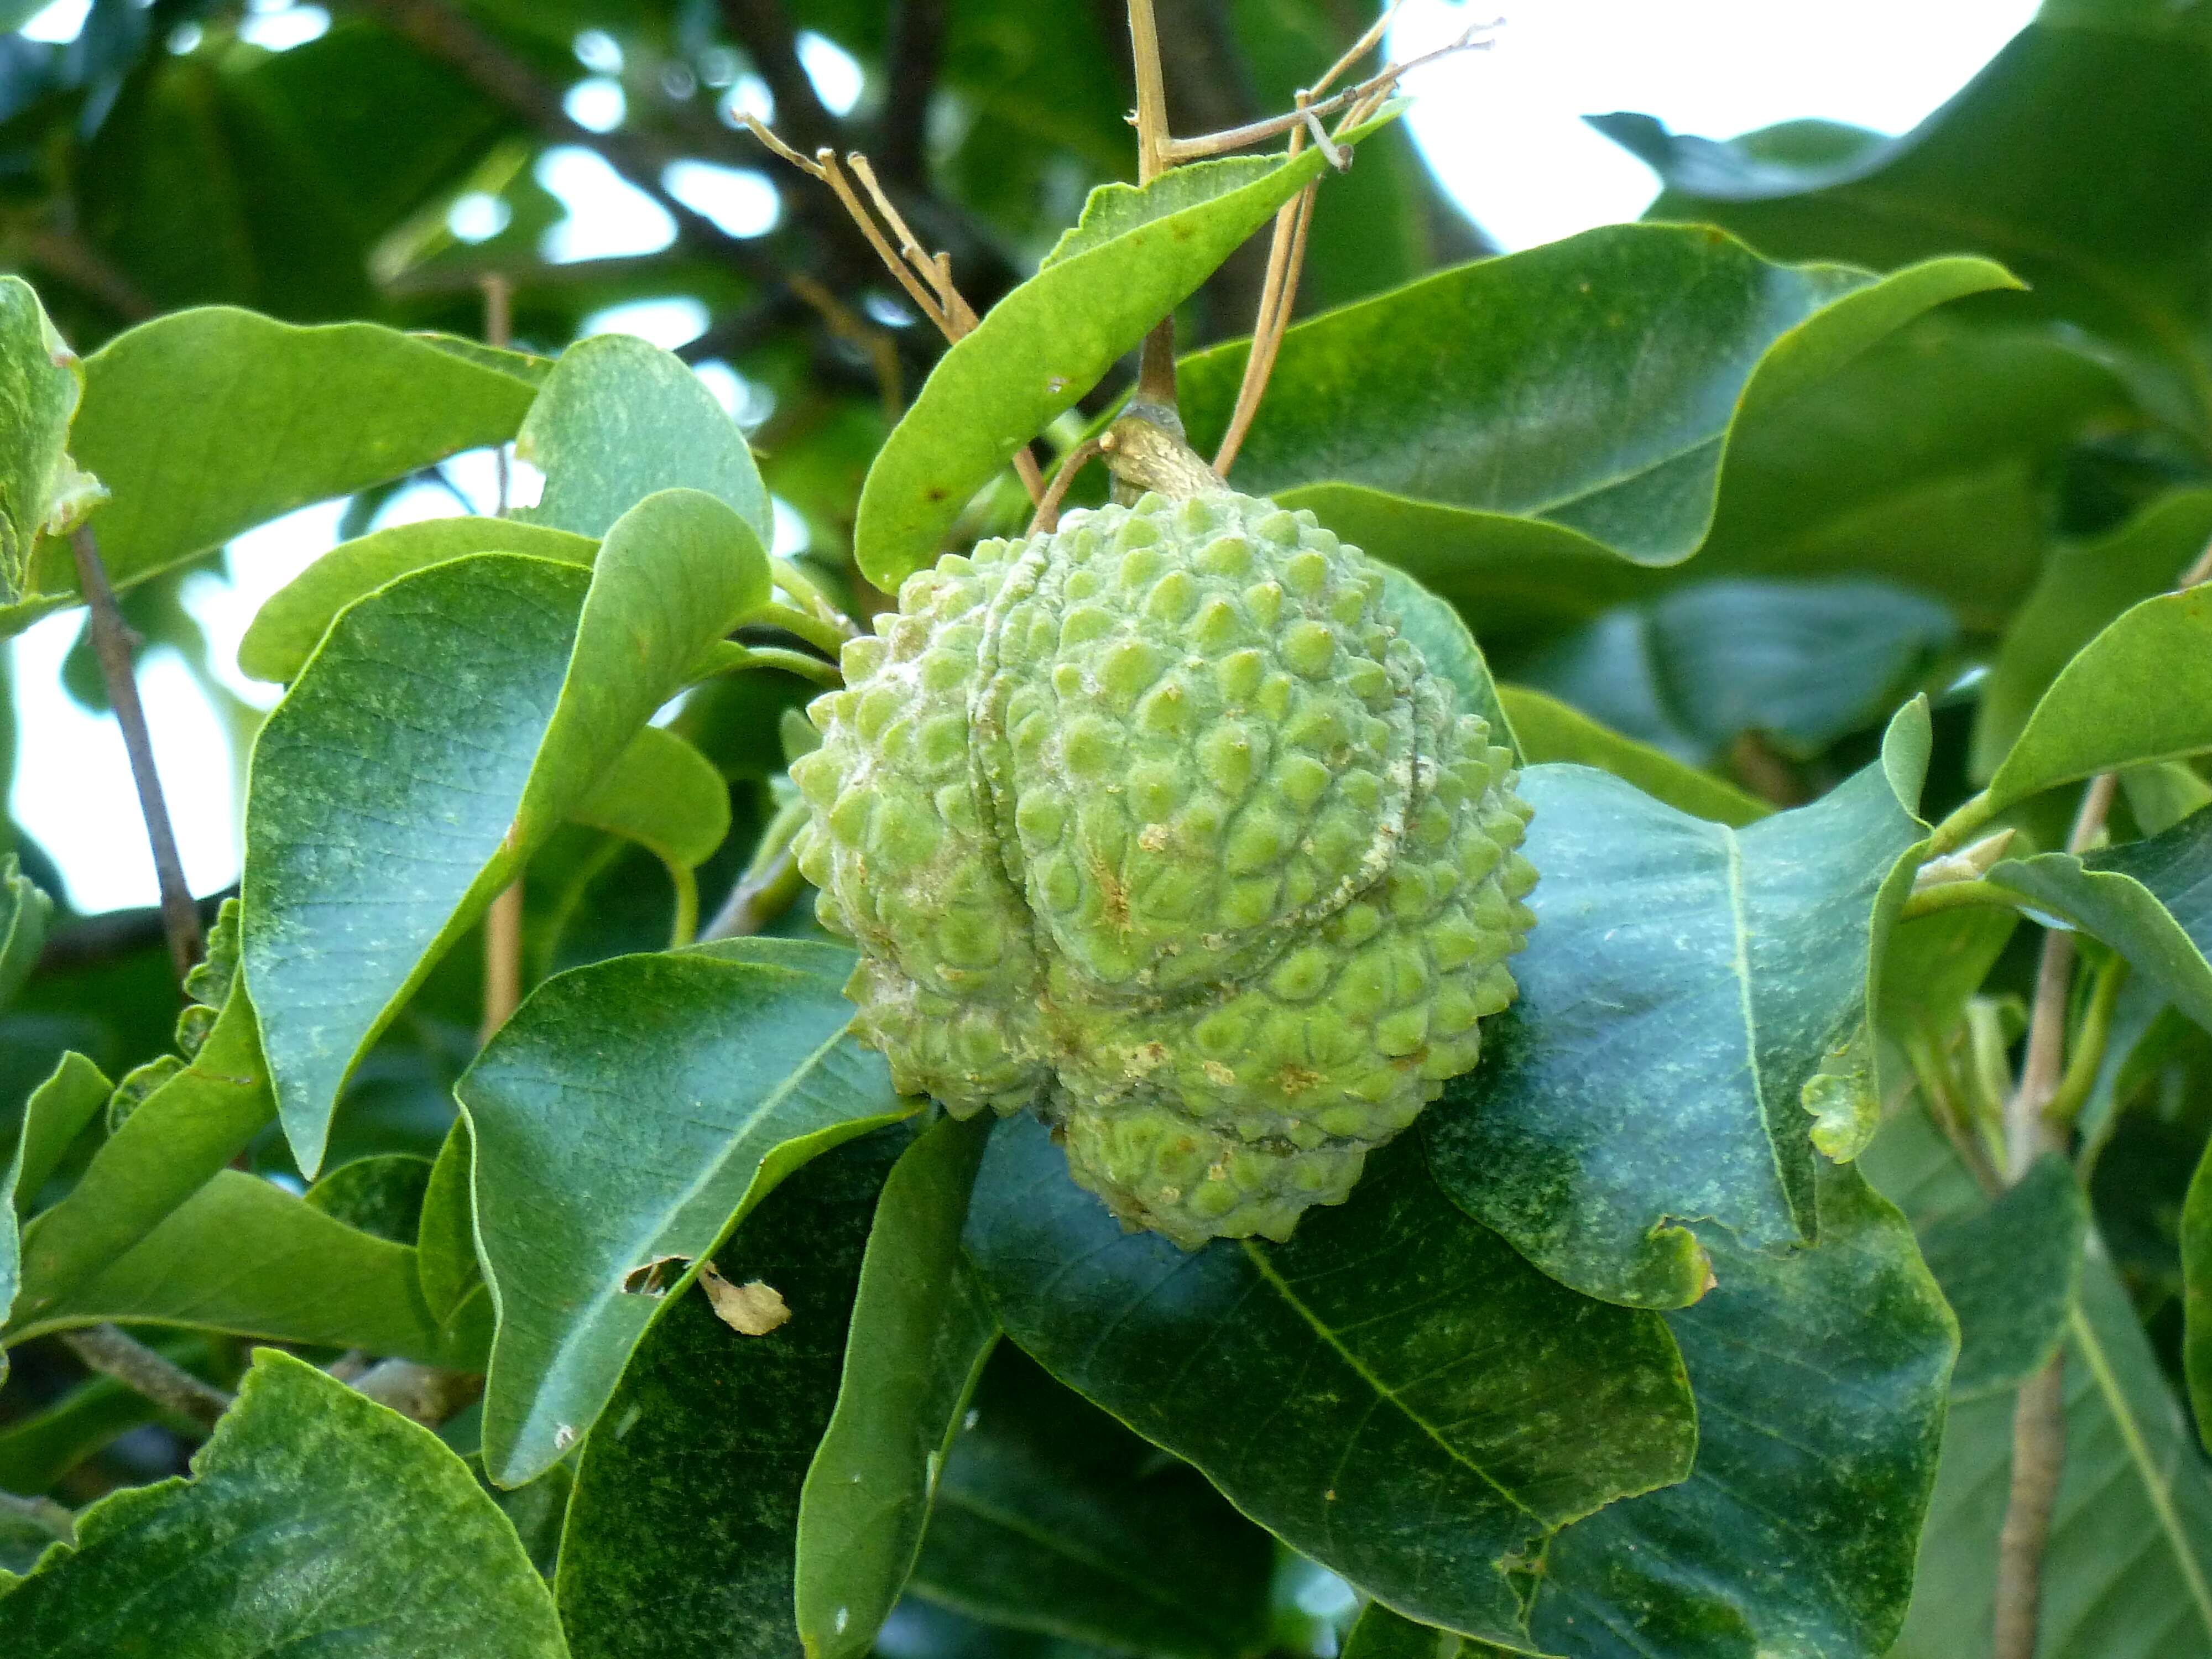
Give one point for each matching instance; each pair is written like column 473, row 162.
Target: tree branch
column 105, row 1349
column 910, row 70
column 111, row 642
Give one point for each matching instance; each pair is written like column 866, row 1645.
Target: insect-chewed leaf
column 1394, row 1392
column 1819, row 1377
column 1684, row 981
column 315, row 1519
column 634, row 1110
column 679, row 1541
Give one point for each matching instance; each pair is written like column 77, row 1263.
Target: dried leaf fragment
column 753, row 1309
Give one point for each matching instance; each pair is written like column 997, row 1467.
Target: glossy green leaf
column 382, row 1194
column 624, row 1120
column 1433, row 1405
column 56, row 1112
column 293, row 621
column 445, row 1234
column 447, row 725
column 24, row 910
column 703, row 1449
column 2077, row 155
column 203, row 423
column 244, row 1256
column 2011, row 1272
column 1682, row 986
column 2082, row 588
column 315, row 1520
column 2140, row 691
column 178, row 1137
column 1053, row 1518
column 921, row 1331
column 41, row 490
column 1450, row 652
column 620, row 419
column 1820, row 1379
column 2149, row 900
column 663, row 794
column 1138, row 253
column 2128, row 1573
column 2197, row 1291
column 1925, row 462
column 1576, row 399
column 1556, row 734
column 1804, row 663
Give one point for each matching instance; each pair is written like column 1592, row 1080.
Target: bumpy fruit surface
column 1156, row 823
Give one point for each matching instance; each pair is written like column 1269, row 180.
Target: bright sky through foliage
column 1502, row 128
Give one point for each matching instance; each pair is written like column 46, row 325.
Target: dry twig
column 105, row 1349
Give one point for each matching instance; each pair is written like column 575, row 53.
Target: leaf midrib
column 2139, row 1453
column 1382, row 1389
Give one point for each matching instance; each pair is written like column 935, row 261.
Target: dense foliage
column 1824, row 558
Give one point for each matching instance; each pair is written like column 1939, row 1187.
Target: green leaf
column 24, row 911
column 446, row 725
column 445, row 1236
column 687, row 1085
column 1553, row 408
column 2011, row 1272
column 2128, row 1574
column 678, row 1540
column 1820, row 1379
column 1805, row 663
column 179, row 1136
column 244, row 1256
column 619, row 420
column 1138, row 255
column 663, row 794
column 203, row 423
column 920, row 1331
column 2197, row 1292
column 57, row 1111
column 2140, row 691
column 1554, row 733
column 1450, row 652
column 2077, row 155
column 1053, row 1518
column 315, row 1520
column 1383, row 1634
column 2082, row 588
column 38, row 1449
column 2149, row 900
column 1393, row 1392
column 382, row 1194
column 1683, row 984
column 41, row 491
column 293, row 621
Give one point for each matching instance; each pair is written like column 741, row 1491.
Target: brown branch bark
column 106, row 1349
column 111, row 642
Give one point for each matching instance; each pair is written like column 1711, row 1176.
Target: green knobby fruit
column 1157, row 824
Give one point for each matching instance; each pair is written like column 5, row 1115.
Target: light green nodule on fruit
column 1160, row 823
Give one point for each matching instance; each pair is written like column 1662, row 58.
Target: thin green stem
column 2088, row 1048
column 817, row 633
column 1954, row 896
column 686, row 927
column 811, row 599
column 1949, row 835
column 728, row 657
